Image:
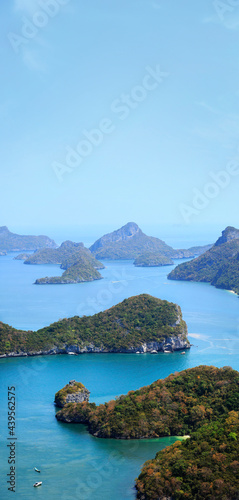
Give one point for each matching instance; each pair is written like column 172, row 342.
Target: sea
column 74, row 464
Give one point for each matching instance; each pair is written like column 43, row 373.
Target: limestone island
column 129, row 242
column 74, row 392
column 79, row 264
column 138, row 324
column 152, row 259
column 218, row 266
column 199, row 403
column 11, row 242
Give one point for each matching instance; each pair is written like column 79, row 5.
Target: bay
column 74, row 464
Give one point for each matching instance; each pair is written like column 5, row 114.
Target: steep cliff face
column 218, row 266
column 123, row 234
column 230, row 233
column 74, row 392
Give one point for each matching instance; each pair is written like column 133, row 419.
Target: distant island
column 79, row 264
column 139, row 324
column 218, row 266
column 129, row 242
column 152, row 259
column 199, row 403
column 11, row 242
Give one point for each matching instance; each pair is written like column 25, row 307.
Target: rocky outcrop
column 74, row 392
column 152, row 259
column 169, row 344
column 230, row 233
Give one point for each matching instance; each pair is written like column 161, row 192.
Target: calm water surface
column 74, row 464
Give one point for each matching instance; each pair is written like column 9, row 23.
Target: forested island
column 152, row 259
column 218, row 266
column 139, row 324
column 205, row 466
column 201, row 403
column 79, row 264
column 129, row 242
column 11, row 242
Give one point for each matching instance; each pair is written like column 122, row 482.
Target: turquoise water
column 74, row 464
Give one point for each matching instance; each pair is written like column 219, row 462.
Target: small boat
column 153, row 352
column 72, row 353
column 39, row 483
column 183, row 352
column 37, row 470
column 167, row 351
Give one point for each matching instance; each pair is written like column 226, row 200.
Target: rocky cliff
column 74, row 392
column 142, row 323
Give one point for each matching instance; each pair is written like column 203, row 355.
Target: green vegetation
column 129, row 242
column 218, row 266
column 176, row 406
column 124, row 327
column 69, row 389
column 80, row 271
column 152, row 259
column 66, row 255
column 205, row 466
column 79, row 263
column 22, row 256
column 10, row 242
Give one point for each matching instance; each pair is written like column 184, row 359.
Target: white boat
column 183, row 352
column 167, row 351
column 39, row 483
column 153, row 352
column 72, row 353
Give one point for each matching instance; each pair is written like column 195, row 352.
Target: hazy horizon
column 117, row 113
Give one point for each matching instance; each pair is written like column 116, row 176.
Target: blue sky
column 71, row 67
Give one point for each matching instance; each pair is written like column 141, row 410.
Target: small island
column 81, row 271
column 74, row 392
column 22, row 256
column 79, row 264
column 152, row 259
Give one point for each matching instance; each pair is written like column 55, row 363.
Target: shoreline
column 85, row 351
